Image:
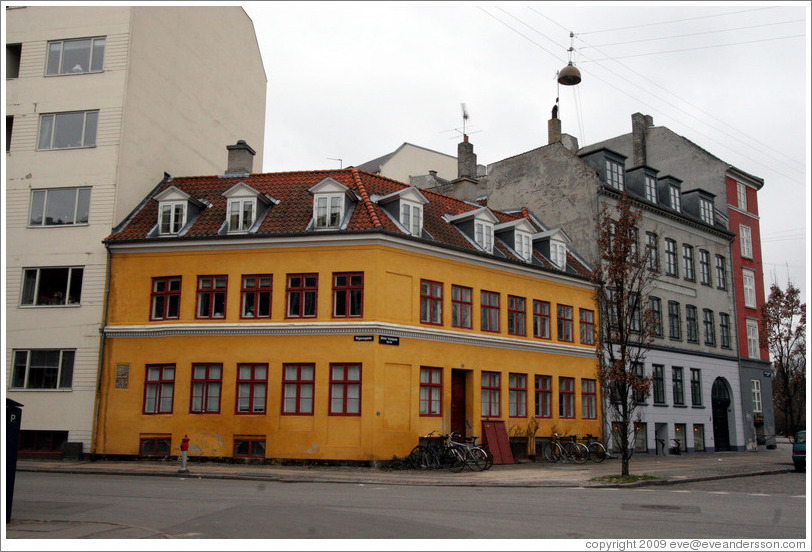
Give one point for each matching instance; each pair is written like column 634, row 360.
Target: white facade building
column 100, row 102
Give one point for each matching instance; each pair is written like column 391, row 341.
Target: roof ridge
column 365, row 198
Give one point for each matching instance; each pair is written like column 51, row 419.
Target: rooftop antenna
column 464, row 132
column 340, row 161
column 464, row 118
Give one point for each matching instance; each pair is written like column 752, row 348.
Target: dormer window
column 706, row 210
column 411, row 217
column 674, row 197
column 172, row 217
column 614, row 174
column 524, row 246
column 558, row 254
column 651, row 189
column 330, row 204
column 241, row 213
column 245, row 206
column 174, row 210
column 329, row 211
column 483, row 235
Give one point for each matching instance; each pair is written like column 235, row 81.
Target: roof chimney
column 640, row 124
column 466, row 159
column 240, row 158
column 553, row 130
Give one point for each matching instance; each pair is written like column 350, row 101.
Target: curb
column 428, row 482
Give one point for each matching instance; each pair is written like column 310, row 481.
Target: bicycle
column 568, row 449
column 597, row 452
column 450, row 451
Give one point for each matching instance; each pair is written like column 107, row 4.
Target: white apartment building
column 100, row 103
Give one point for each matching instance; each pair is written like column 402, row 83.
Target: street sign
column 364, row 337
column 388, row 340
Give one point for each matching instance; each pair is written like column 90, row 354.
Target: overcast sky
column 353, row 81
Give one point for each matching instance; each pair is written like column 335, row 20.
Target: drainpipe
column 94, row 435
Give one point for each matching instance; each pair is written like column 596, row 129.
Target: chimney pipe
column 466, row 159
column 640, row 124
column 240, row 158
column 553, row 130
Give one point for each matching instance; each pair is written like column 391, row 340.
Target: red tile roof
column 294, row 210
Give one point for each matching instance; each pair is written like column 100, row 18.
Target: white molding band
column 345, row 328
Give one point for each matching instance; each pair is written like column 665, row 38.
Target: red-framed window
column 517, row 315
column 566, row 397
column 297, row 388
column 302, row 295
column 587, row 326
column 431, row 391
column 589, row 400
column 489, row 310
column 165, row 300
column 564, row 316
column 159, row 388
column 517, row 395
column 541, row 319
column 462, row 307
column 431, row 302
column 207, row 381
column 211, row 296
column 249, row 447
column 345, row 389
column 252, row 386
column 490, row 394
column 348, row 294
column 256, row 293
column 544, row 396
column 155, row 446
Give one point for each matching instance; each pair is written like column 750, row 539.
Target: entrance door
column 720, row 401
column 458, row 401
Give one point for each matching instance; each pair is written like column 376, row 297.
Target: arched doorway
column 720, row 401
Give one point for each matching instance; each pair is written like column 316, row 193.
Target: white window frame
column 753, row 349
column 755, row 386
column 411, row 217
column 94, row 41
column 749, row 287
column 558, row 254
column 524, row 245
column 241, row 203
column 741, row 193
column 86, row 140
column 59, row 376
column 651, row 189
column 674, row 198
column 615, row 174
column 35, row 292
column 706, row 210
column 483, row 235
column 176, row 223
column 746, row 241
column 333, row 204
column 81, row 198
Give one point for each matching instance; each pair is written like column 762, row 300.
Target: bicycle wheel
column 459, row 460
column 553, row 452
column 597, row 452
column 479, row 459
column 419, row 458
column 578, row 452
column 488, row 455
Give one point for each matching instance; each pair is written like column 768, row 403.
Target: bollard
column 184, row 449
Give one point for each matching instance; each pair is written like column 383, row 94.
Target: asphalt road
column 117, row 507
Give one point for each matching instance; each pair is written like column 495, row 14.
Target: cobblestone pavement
column 667, row 469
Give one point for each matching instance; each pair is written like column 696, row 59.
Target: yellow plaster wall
column 389, row 423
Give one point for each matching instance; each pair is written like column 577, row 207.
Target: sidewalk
column 667, row 469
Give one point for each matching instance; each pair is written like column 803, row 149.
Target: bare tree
column 783, row 319
column 624, row 278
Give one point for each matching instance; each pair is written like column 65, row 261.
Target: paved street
column 100, row 506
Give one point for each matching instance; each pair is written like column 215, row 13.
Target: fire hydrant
column 184, row 450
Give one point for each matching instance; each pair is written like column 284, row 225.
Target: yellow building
column 336, row 315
